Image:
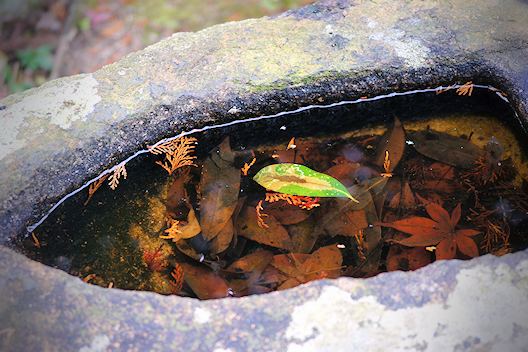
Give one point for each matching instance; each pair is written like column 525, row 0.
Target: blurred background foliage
column 46, row 39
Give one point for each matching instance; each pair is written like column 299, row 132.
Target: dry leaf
column 177, row 198
column 404, row 198
column 274, row 235
column 219, row 187
column 348, row 223
column 446, row 148
column 204, row 283
column 300, row 268
column 287, row 214
column 393, row 142
column 403, row 258
column 303, row 236
column 183, row 230
column 256, row 261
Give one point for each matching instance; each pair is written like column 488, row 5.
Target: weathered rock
column 451, row 305
column 57, row 137
column 327, row 51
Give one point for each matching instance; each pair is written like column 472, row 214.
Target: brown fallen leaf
column 228, row 235
column 177, row 199
column 404, row 198
column 224, row 238
column 271, row 276
column 189, row 251
column 303, row 236
column 250, row 267
column 449, row 149
column 287, row 214
column 274, row 235
column 219, row 188
column 204, row 282
column 256, row 261
column 347, row 224
column 306, row 152
column 344, row 172
column 404, row 258
column 301, row 268
column 393, row 143
column 179, row 230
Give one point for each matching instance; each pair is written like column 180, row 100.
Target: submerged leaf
column 303, row 236
column 424, row 231
column 227, row 235
column 185, row 230
column 224, row 238
column 446, row 148
column 274, row 235
column 348, row 223
column 403, row 258
column 392, row 143
column 287, row 214
column 204, row 283
column 256, row 261
column 300, row 268
column 219, row 187
column 300, row 180
column 440, row 229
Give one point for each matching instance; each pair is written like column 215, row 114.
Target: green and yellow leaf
column 300, row 180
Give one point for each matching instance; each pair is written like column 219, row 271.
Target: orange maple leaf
column 439, row 230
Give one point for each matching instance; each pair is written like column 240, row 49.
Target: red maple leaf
column 439, row 230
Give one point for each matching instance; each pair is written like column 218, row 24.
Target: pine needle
column 177, row 153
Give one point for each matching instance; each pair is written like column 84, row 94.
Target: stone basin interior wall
column 56, row 137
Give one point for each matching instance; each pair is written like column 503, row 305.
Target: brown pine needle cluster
column 386, row 166
column 260, row 216
column 113, row 180
column 173, row 232
column 177, row 153
column 177, row 275
column 302, row 202
column 94, row 186
column 466, row 89
column 360, row 239
column 35, row 239
column 247, row 166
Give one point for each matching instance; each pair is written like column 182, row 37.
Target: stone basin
column 57, row 137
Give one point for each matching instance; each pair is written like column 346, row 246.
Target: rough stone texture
column 480, row 305
column 56, row 137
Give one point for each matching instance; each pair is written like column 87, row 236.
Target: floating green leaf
column 300, row 180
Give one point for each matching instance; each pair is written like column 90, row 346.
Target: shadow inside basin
column 450, row 182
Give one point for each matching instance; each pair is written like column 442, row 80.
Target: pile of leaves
column 252, row 221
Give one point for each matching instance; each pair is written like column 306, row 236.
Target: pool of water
column 352, row 190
